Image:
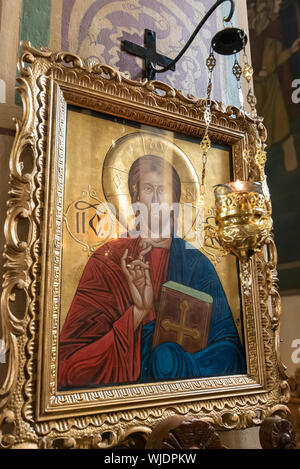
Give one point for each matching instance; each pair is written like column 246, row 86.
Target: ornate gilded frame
column 33, row 412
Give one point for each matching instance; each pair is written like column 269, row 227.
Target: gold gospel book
column 183, row 317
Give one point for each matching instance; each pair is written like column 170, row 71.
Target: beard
column 156, row 221
column 161, row 226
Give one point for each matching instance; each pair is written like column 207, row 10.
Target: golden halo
column 123, row 153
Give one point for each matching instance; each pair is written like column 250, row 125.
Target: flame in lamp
column 238, row 185
column 243, row 217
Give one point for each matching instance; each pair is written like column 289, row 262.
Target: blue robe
column 224, row 354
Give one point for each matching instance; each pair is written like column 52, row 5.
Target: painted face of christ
column 155, row 187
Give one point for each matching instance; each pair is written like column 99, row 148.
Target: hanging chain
column 260, row 155
column 248, row 74
column 205, row 143
column 238, row 72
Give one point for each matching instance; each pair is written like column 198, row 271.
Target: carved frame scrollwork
column 32, row 412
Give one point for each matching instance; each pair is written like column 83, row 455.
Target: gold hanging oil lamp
column 243, row 217
column 243, row 208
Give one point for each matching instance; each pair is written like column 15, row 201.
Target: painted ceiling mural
column 95, row 29
column 275, row 49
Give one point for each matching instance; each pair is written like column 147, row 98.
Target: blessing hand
column 137, row 274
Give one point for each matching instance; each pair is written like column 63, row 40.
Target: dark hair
column 148, row 163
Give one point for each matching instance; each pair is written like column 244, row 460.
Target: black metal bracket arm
column 226, row 42
column 149, row 54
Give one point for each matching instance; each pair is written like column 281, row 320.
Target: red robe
column 98, row 344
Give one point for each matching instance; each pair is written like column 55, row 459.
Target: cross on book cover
column 183, row 317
